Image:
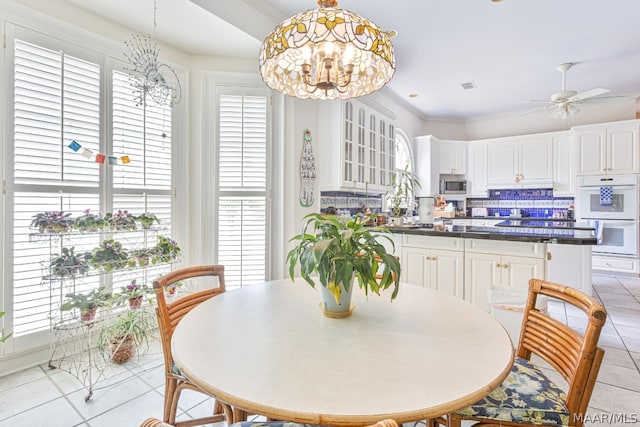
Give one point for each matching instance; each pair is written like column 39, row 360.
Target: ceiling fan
column 563, row 104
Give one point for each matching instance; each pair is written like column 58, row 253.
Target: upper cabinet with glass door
column 358, row 147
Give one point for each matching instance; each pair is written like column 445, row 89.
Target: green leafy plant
column 90, row 222
column 127, row 333
column 401, row 196
column 52, row 222
column 121, row 221
column 147, row 220
column 338, row 249
column 109, row 256
column 3, row 338
column 141, row 256
column 88, row 302
column 166, row 250
column 70, row 264
column 131, row 291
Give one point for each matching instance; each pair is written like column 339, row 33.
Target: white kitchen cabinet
column 564, row 171
column 610, row 148
column 477, row 169
column 453, row 157
column 434, row 262
column 579, row 258
column 486, row 265
column 502, row 161
column 363, row 139
column 519, row 161
column 427, row 156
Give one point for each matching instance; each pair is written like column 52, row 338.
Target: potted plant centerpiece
column 87, row 303
column 341, row 250
column 401, row 196
column 120, row 338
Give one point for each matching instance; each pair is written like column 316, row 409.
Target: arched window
column 403, row 160
column 404, row 156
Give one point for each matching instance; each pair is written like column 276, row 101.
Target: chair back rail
column 576, row 357
column 169, row 315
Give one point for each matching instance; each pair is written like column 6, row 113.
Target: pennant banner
column 99, row 157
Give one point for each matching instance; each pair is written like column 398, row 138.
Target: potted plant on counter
column 401, row 196
column 341, row 250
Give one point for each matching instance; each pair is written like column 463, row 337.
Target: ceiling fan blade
column 606, row 99
column 539, row 101
column 588, row 94
column 523, row 113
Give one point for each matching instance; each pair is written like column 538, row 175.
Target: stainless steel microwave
column 453, row 184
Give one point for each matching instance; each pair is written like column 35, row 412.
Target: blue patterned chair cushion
column 526, row 396
column 176, row 371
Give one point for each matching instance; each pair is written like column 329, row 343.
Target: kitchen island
column 466, row 260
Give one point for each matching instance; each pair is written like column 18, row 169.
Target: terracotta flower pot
column 135, row 302
column 122, row 349
column 88, row 315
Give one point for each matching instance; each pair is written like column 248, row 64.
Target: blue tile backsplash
column 536, row 203
column 345, row 201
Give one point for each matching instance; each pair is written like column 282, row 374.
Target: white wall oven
column 616, row 237
column 611, row 202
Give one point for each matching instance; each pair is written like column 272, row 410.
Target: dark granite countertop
column 567, row 236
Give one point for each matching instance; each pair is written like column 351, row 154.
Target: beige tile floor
column 40, row 396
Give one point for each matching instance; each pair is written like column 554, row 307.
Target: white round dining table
column 268, row 349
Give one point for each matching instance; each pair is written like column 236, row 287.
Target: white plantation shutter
column 242, row 202
column 58, row 97
column 143, row 134
column 57, row 100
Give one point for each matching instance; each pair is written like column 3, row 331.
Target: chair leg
column 239, row 415
column 170, row 386
column 453, row 421
column 436, row 422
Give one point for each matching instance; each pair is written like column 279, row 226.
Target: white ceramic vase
column 342, row 308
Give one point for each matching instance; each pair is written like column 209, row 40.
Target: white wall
column 511, row 124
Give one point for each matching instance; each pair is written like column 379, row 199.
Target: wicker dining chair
column 528, row 397
column 154, row 422
column 169, row 315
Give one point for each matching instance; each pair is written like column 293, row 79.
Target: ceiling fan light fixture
column 327, row 53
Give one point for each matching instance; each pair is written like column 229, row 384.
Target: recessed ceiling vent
column 468, row 85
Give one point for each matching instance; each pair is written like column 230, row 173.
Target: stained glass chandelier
column 327, row 53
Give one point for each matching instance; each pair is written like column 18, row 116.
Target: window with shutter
column 242, row 188
column 57, row 98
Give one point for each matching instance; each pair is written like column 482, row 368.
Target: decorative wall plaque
column 307, row 171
